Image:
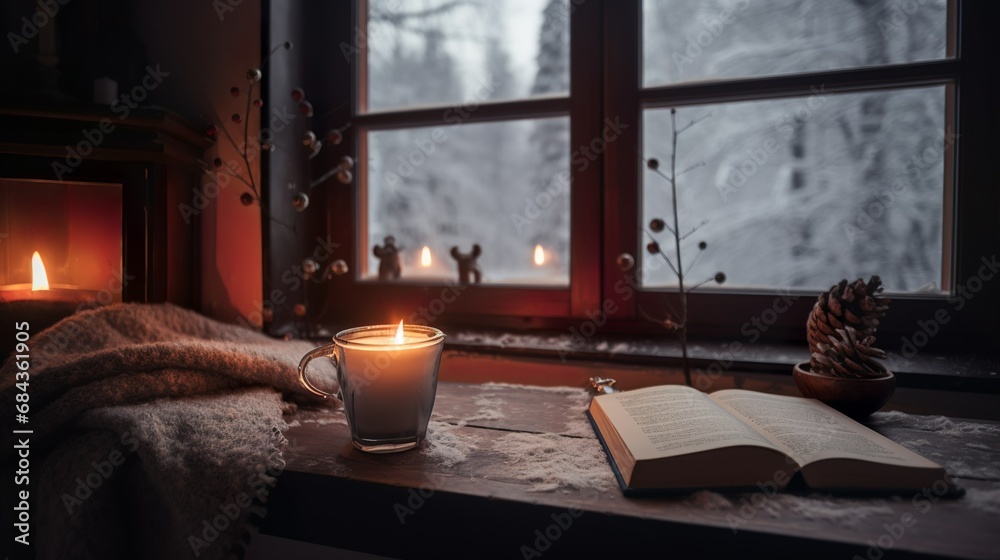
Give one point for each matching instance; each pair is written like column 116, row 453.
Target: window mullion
column 622, row 56
column 916, row 74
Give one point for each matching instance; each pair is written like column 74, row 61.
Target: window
column 438, row 177
column 832, row 139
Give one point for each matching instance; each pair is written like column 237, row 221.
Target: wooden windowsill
column 976, row 373
column 416, row 504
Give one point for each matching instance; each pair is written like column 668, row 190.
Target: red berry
column 246, row 198
column 306, row 109
column 237, row 118
column 211, row 131
column 298, row 94
column 234, row 91
column 217, row 162
column 335, row 137
column 258, row 102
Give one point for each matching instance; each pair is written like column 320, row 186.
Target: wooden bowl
column 856, row 398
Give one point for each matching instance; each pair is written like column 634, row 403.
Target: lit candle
column 425, row 257
column 539, row 255
column 388, row 379
column 40, row 289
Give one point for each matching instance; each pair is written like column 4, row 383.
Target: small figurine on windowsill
column 468, row 268
column 389, row 267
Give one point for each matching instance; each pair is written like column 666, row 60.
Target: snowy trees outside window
column 796, row 190
column 801, row 190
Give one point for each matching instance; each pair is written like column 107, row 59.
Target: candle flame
column 39, row 280
column 399, row 333
column 539, row 255
column 425, row 257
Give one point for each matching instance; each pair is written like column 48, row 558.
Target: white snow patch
column 550, row 462
column 492, row 386
column 446, row 446
column 489, row 408
column 983, row 500
column 704, row 499
column 841, row 511
column 938, row 424
column 325, row 421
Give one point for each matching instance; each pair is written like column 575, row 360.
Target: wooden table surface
column 470, row 492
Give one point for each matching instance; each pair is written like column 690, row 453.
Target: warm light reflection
column 539, row 255
column 425, row 257
column 399, row 331
column 39, row 280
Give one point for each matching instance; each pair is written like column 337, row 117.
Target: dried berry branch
column 675, row 322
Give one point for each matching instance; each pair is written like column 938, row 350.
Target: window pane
column 442, row 52
column 687, row 40
column 504, row 186
column 803, row 192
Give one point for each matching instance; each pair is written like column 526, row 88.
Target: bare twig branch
column 694, row 229
column 664, row 255
column 700, row 284
column 692, row 168
column 690, row 124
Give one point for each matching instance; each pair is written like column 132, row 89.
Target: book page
column 808, row 430
column 674, row 420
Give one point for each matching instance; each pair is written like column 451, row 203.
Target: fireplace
column 102, row 228
column 62, row 241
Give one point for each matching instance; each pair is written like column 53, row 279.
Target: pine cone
column 847, row 356
column 841, row 329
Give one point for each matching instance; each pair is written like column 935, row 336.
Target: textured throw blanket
column 157, row 432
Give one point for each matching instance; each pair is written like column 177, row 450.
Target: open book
column 673, row 437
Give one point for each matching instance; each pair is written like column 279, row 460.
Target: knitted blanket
column 157, row 432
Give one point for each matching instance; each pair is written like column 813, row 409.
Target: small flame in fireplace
column 539, row 255
column 39, row 280
column 425, row 257
column 399, row 333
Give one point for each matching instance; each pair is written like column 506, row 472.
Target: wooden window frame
column 605, row 66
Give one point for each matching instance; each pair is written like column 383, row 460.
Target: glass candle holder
column 388, row 379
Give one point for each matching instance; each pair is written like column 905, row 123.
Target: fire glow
column 399, row 331
column 539, row 255
column 425, row 257
column 39, row 279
